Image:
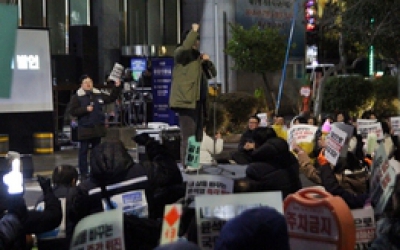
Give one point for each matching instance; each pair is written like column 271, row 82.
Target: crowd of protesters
column 271, row 165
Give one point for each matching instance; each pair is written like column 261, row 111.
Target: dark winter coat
column 91, row 124
column 331, row 184
column 274, row 168
column 57, row 239
column 114, row 169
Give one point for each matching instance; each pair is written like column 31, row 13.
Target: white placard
column 171, row 222
column 395, row 124
column 131, row 202
column 100, row 231
column 365, row 122
column 208, row 185
column 212, row 212
column 301, row 133
column 364, row 219
column 116, row 72
column 365, row 129
column 263, row 119
column 334, row 144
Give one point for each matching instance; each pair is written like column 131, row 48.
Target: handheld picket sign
column 14, row 179
column 171, row 222
column 318, row 220
column 193, row 152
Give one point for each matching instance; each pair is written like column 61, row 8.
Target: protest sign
column 212, row 212
column 208, row 184
column 334, row 144
column 318, row 220
column 8, row 34
column 364, row 220
column 193, row 153
column 131, row 202
column 366, row 129
column 171, row 222
column 395, row 124
column 263, row 119
column 361, row 122
column 104, row 230
column 382, row 182
column 301, row 133
column 349, row 130
column 116, row 73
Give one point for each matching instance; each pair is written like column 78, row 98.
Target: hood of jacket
column 273, row 150
column 109, row 160
column 81, row 92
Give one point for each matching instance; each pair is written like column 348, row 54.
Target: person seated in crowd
column 311, row 120
column 388, row 228
column 114, row 173
column 300, row 119
column 261, row 228
column 64, row 182
column 273, row 166
column 280, row 127
column 354, row 182
column 12, row 223
column 210, row 147
column 246, row 143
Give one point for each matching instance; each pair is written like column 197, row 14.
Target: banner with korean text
column 103, row 230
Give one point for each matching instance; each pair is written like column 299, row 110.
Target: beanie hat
column 179, row 245
column 326, row 127
column 257, row 228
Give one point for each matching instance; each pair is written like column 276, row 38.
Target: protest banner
column 104, row 230
column 366, row 129
column 395, row 125
column 131, row 202
column 318, row 220
column 8, row 34
column 212, row 212
column 171, row 222
column 208, row 184
column 334, row 144
column 364, row 220
column 301, row 133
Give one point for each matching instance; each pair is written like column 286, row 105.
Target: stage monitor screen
column 31, row 89
column 138, row 65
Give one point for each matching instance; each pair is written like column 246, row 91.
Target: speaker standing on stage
column 87, row 106
column 189, row 87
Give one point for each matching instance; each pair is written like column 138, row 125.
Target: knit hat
column 326, row 127
column 257, row 228
column 179, row 245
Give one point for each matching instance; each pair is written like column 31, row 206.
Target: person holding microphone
column 87, row 106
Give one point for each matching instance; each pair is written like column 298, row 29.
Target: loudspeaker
column 64, row 69
column 83, row 43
